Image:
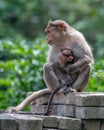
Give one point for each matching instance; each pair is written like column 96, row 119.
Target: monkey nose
column 46, row 30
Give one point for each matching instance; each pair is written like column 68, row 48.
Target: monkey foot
column 69, row 90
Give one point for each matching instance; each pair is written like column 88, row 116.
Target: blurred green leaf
column 23, row 71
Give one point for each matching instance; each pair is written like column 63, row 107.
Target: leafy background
column 23, row 47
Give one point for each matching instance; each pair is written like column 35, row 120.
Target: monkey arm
column 79, row 65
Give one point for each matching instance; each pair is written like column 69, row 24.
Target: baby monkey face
column 65, row 56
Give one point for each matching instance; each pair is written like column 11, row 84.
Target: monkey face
column 50, row 35
column 54, row 31
column 62, row 59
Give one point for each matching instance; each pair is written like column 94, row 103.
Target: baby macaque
column 65, row 58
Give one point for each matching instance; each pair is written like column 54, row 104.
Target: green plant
column 21, row 69
column 96, row 82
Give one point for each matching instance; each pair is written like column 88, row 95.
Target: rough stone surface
column 86, row 108
column 101, row 113
column 28, row 122
column 91, row 125
column 38, row 108
column 50, row 121
column 83, row 105
column 64, row 99
column 7, row 122
column 65, row 110
column 69, row 123
column 49, row 129
column 43, row 100
column 90, row 99
column 102, row 125
column 59, row 98
column 59, row 110
column 90, row 112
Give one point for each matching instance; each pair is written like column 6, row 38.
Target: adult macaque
column 61, row 35
column 65, row 57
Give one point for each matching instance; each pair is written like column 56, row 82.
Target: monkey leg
column 28, row 100
column 50, row 77
column 82, row 79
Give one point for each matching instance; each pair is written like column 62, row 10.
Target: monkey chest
column 53, row 56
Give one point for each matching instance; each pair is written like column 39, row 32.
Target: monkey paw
column 69, row 90
column 12, row 109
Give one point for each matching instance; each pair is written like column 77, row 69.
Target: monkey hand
column 12, row 109
column 68, row 90
column 60, row 65
column 72, row 69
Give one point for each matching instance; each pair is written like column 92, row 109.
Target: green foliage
column 28, row 18
column 21, row 69
column 21, row 60
column 96, row 82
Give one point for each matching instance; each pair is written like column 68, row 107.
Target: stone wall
column 75, row 111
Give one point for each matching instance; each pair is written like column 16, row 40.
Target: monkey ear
column 50, row 21
column 62, row 26
column 70, row 58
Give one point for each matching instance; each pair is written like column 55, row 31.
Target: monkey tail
column 50, row 99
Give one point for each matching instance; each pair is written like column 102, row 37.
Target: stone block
column 43, row 100
column 62, row 99
column 64, row 110
column 102, row 100
column 26, row 122
column 89, row 99
column 59, row 98
column 101, row 113
column 69, row 123
column 76, row 98
column 90, row 112
column 38, row 108
column 102, row 125
column 60, row 110
column 7, row 122
column 91, row 125
column 49, row 129
column 50, row 121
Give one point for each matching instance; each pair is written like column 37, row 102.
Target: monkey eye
column 47, row 31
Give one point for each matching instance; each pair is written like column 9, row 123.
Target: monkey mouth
column 49, row 41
